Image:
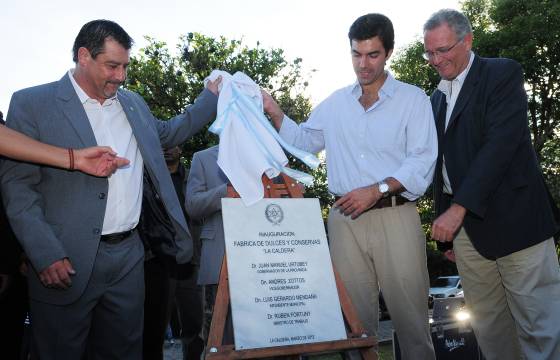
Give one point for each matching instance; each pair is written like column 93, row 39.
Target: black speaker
column 452, row 334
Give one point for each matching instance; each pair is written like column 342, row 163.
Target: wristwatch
column 383, row 188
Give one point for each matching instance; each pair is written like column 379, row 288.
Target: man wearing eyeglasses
column 490, row 196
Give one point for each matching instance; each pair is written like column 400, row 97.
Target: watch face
column 383, row 188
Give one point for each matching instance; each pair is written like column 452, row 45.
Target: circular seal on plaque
column 274, row 214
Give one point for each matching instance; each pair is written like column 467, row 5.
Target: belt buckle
column 116, row 238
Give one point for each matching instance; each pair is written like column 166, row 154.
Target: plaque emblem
column 274, row 214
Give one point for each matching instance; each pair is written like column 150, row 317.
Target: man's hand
column 98, row 160
column 449, row 255
column 446, row 225
column 273, row 110
column 214, row 86
column 57, row 275
column 358, row 200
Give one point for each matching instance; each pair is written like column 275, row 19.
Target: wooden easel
column 357, row 337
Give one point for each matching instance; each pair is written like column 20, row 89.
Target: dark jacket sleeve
column 505, row 124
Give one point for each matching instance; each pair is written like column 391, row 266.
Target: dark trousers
column 14, row 305
column 210, row 293
column 156, row 279
column 186, row 305
column 106, row 321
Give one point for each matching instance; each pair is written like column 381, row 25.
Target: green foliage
column 169, row 82
column 550, row 163
column 409, row 66
column 528, row 31
column 524, row 30
column 320, row 190
column 438, row 265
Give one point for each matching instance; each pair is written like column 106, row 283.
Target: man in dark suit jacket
column 78, row 231
column 490, row 197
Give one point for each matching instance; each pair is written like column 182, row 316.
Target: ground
column 173, row 352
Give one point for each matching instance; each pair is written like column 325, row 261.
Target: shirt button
column 102, row 196
column 96, row 231
column 362, row 156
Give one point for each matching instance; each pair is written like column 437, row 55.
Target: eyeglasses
column 429, row 55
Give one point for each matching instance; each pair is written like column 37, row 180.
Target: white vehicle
column 447, row 286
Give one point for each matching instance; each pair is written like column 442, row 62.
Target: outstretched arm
column 182, row 127
column 97, row 161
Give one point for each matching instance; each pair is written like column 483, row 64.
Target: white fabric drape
column 249, row 145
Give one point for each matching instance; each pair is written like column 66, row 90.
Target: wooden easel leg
column 351, row 316
column 357, row 338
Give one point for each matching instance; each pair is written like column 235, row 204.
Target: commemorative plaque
column 281, row 280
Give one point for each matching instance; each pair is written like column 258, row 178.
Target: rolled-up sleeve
column 417, row 169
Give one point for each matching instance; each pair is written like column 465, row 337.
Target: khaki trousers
column 386, row 248
column 514, row 300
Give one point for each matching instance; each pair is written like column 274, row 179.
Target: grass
column 385, row 353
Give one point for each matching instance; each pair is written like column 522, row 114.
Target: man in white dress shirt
column 87, row 279
column 381, row 146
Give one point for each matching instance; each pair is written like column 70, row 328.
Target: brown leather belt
column 385, row 202
column 116, row 238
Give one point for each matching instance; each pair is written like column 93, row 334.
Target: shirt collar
column 445, row 85
column 84, row 98
column 387, row 89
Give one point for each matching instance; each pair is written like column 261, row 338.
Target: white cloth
column 395, row 137
column 451, row 89
column 249, row 145
column 111, row 128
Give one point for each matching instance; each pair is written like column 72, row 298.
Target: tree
column 523, row 30
column 168, row 83
column 409, row 66
column 527, row 31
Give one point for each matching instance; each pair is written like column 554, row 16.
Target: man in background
column 206, row 186
column 186, row 303
column 172, row 294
